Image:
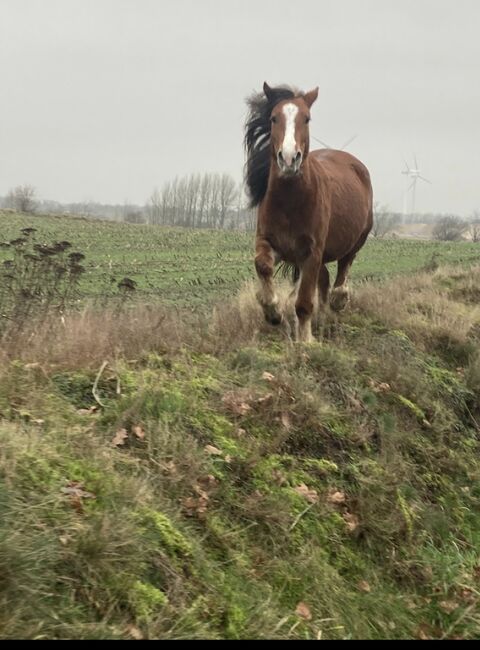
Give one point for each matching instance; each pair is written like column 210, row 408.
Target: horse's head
column 290, row 139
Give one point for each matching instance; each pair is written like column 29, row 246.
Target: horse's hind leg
column 340, row 293
column 266, row 296
column 323, row 291
column 323, row 287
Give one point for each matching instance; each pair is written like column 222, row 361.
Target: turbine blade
column 321, row 142
column 349, row 141
column 425, row 179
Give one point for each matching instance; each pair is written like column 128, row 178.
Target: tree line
column 446, row 227
column 200, row 201
column 208, row 200
column 217, row 201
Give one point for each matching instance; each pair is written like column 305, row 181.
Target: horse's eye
column 307, row 120
column 273, row 120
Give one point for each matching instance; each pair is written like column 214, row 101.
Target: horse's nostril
column 280, row 156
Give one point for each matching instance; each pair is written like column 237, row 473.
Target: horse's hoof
column 339, row 298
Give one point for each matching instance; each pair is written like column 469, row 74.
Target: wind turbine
column 342, row 148
column 414, row 174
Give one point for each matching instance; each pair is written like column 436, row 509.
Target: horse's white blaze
column 289, row 146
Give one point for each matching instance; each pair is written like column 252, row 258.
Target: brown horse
column 313, row 208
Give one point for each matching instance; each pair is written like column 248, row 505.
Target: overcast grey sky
column 105, row 99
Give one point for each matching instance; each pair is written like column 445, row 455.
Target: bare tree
column 245, row 217
column 383, row 221
column 226, row 197
column 448, row 228
column 154, row 208
column 174, row 202
column 22, row 199
column 133, row 216
column 165, row 202
column 239, row 196
column 194, row 201
column 193, row 196
column 474, row 227
column 213, row 201
column 204, row 192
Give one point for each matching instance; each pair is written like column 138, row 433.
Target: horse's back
column 352, row 199
column 341, row 164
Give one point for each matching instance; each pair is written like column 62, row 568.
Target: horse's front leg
column 305, row 302
column 266, row 295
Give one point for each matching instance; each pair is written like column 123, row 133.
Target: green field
column 197, row 267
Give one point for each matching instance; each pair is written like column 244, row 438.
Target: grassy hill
column 166, row 475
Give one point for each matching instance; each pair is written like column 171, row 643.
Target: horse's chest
column 289, row 243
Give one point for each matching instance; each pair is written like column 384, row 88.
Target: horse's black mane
column 257, row 139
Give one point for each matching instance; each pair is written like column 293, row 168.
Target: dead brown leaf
column 278, row 477
column 171, row 468
column 139, row 433
column 90, row 411
column 76, row 494
column 448, row 606
column 336, row 498
column 285, row 419
column 266, row 399
column 309, row 494
column 303, row 611
column 135, row 633
column 267, row 376
column 197, row 506
column 364, row 586
column 379, row 387
column 213, row 451
column 424, row 633
column 352, row 522
column 236, row 403
column 120, row 438
column 207, row 482
column 75, row 489
column 356, row 404
column 467, row 595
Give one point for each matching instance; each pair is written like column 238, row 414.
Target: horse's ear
column 310, row 97
column 267, row 90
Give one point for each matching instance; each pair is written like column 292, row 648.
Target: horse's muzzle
column 289, row 166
